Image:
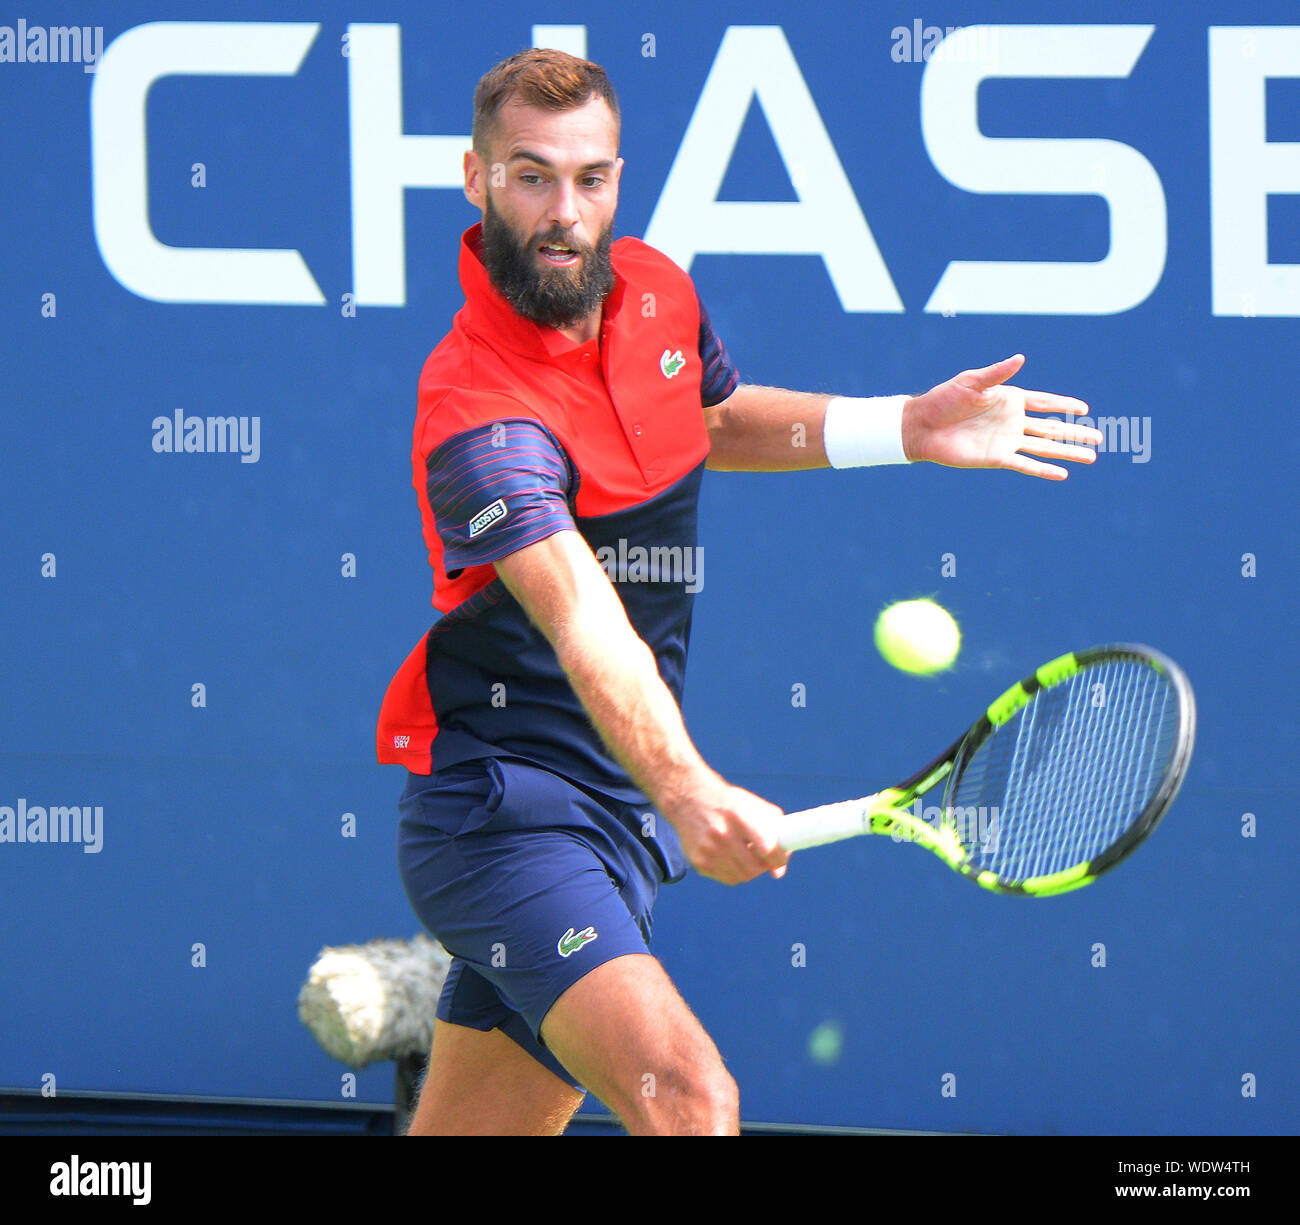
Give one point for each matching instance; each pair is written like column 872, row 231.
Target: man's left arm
column 974, row 420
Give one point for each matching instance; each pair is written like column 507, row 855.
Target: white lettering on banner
column 120, row 161
column 1119, row 174
column 1246, row 167
column 826, row 220
column 756, row 61
column 568, row 38
column 385, row 161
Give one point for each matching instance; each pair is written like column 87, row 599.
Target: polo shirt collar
column 490, row 315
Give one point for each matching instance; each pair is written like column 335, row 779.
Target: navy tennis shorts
column 529, row 882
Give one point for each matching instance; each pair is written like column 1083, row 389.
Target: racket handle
column 829, row 823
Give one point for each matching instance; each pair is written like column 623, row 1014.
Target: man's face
column 553, row 182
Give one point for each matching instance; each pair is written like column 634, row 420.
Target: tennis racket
column 1058, row 781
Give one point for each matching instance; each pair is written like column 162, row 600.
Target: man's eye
column 534, row 177
column 593, row 180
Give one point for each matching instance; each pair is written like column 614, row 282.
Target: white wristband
column 861, row 432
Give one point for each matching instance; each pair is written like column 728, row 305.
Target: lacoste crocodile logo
column 670, row 363
column 572, row 941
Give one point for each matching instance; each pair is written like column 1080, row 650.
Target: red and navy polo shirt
column 519, row 434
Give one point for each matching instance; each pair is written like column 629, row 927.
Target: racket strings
column 1065, row 779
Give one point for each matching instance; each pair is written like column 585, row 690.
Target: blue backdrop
column 289, row 582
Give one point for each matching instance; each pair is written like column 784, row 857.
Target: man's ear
column 474, row 172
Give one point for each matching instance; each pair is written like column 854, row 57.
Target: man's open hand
column 976, row 421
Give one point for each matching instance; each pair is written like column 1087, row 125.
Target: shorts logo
column 670, row 363
column 572, row 941
column 487, row 517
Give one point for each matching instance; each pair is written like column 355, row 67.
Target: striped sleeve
column 495, row 488
column 720, row 377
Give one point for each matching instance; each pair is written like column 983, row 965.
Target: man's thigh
column 527, row 911
column 481, row 1083
column 625, row 1032
column 525, row 918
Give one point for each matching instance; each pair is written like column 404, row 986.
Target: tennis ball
column 918, row 636
column 826, row 1043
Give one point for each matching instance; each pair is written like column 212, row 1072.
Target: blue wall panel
column 222, row 823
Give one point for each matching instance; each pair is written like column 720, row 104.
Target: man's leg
column 481, row 1083
column 507, row 899
column 625, row 1032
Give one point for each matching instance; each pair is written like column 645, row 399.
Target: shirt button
column 636, row 429
column 586, row 357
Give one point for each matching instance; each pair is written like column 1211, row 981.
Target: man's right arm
column 727, row 833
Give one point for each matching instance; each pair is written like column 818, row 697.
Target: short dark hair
column 541, row 77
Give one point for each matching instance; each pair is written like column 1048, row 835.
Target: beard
column 554, row 297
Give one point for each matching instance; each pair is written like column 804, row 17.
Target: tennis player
column 563, row 428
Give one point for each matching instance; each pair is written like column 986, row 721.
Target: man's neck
column 585, row 329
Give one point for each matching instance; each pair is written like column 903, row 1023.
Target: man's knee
column 690, row 1099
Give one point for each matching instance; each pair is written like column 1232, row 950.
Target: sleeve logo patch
column 487, row 517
